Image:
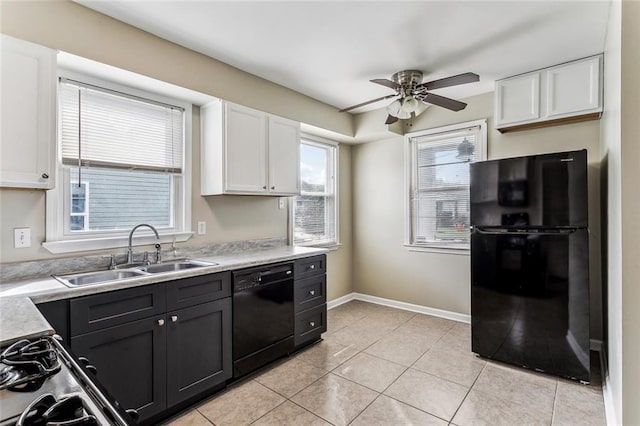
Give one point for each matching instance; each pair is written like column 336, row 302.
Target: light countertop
column 19, row 317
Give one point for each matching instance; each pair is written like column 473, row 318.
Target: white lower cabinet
column 561, row 94
column 28, row 114
column 248, row 152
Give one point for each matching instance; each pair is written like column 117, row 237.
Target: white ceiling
column 329, row 50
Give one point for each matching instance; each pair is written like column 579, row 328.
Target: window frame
column 410, row 159
column 58, row 239
column 335, row 146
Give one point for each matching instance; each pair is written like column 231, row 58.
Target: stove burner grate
column 28, row 364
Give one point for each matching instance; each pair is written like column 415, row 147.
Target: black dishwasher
column 262, row 316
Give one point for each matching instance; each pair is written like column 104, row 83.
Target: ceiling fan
column 410, row 91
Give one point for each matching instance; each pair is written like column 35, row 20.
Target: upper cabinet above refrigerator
column 548, row 190
column 562, row 94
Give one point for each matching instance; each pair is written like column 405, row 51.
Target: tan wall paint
column 630, row 162
column 339, row 261
column 73, row 28
column 384, row 268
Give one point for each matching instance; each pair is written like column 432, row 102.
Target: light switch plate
column 282, row 203
column 202, row 228
column 22, row 237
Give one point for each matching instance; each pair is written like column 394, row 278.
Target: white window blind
column 315, row 208
column 440, row 187
column 100, row 127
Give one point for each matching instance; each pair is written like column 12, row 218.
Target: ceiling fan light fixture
column 410, row 104
column 403, row 115
column 394, row 108
column 465, row 150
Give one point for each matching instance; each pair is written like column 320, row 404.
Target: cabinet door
column 131, row 363
column 518, row 99
column 198, row 350
column 574, row 88
column 245, row 150
column 284, row 156
column 27, row 138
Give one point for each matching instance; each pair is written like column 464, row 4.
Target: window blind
column 315, row 208
column 104, row 128
column 440, row 193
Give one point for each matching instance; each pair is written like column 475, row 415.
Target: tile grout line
column 467, row 394
column 555, row 402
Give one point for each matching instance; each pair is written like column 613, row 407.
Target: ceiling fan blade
column 388, row 83
column 443, row 102
column 467, row 77
column 391, row 119
column 367, row 103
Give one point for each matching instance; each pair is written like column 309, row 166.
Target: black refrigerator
column 530, row 262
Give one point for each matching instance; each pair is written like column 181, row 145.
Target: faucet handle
column 112, row 262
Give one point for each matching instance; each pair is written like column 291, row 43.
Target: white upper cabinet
column 246, row 151
column 284, row 156
column 28, row 130
column 561, row 94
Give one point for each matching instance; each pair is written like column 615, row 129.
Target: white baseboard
column 609, row 403
column 455, row 316
column 340, row 300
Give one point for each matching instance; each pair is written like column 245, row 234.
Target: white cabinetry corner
column 248, row 152
column 28, row 114
column 565, row 93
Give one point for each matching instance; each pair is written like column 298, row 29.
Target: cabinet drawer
column 96, row 312
column 310, row 324
column 310, row 292
column 310, row 266
column 196, row 290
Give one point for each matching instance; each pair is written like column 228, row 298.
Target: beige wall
column 621, row 163
column 384, row 268
column 339, row 261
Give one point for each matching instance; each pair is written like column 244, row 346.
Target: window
column 438, row 184
column 315, row 209
column 122, row 163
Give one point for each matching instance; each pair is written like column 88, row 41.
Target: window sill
column 328, row 246
column 458, row 251
column 73, row 246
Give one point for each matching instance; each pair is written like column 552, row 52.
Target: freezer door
column 530, row 300
column 547, row 190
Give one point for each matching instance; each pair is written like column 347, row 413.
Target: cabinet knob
column 161, row 322
column 312, row 267
column 312, row 324
column 174, row 318
column 45, row 176
column 273, row 187
column 312, row 292
column 264, row 187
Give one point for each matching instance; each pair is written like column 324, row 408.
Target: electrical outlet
column 22, row 237
column 282, row 203
column 202, row 228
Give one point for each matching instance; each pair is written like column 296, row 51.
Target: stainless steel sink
column 175, row 266
column 76, row 280
column 100, row 277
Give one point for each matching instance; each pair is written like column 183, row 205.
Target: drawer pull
column 312, row 324
column 160, row 322
column 174, row 318
column 312, row 267
column 312, row 292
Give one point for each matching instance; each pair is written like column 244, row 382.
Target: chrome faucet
column 157, row 245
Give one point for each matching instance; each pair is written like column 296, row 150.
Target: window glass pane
column 78, row 198
column 315, row 209
column 77, row 223
column 313, row 168
column 440, row 187
column 121, row 199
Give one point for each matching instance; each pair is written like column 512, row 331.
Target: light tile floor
column 383, row 366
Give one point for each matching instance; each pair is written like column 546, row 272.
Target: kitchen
column 364, row 265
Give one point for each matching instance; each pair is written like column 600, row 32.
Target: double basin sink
column 113, row 275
